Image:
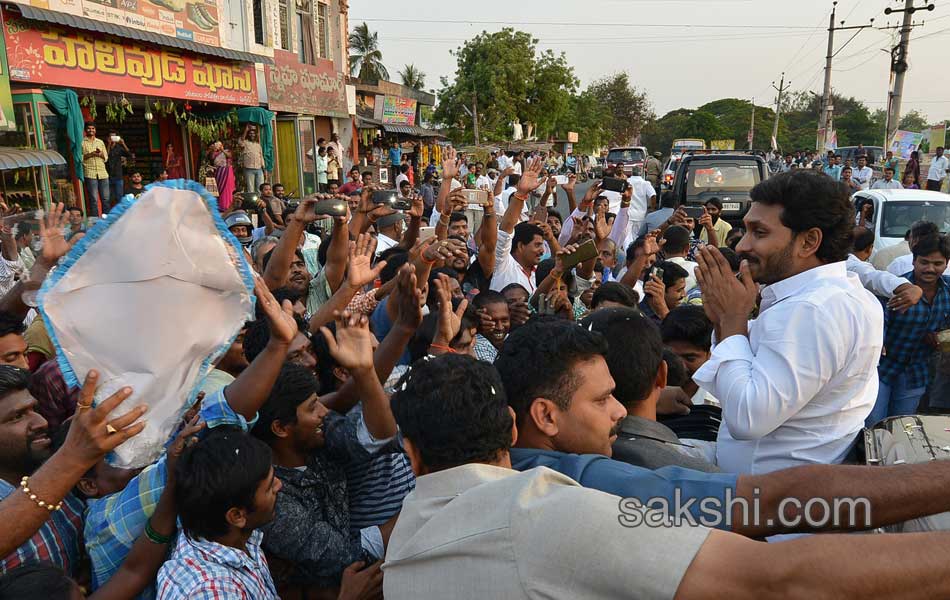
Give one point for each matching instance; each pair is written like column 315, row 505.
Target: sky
column 685, row 53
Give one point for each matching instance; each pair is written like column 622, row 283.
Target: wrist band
column 441, row 347
column 155, row 537
column 24, row 486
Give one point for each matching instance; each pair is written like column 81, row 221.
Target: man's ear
column 280, row 430
column 543, row 415
column 810, row 241
column 661, row 376
column 415, row 457
column 89, row 487
column 514, row 426
column 341, row 374
column 236, row 517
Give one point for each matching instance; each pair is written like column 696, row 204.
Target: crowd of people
column 433, row 405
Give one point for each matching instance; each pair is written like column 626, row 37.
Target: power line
column 575, row 24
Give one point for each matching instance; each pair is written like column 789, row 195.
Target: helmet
column 239, row 217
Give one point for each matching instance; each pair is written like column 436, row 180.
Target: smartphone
column 614, row 184
column 33, row 215
column 476, row 197
column 585, row 251
column 694, row 212
column 561, row 179
column 391, row 199
column 656, row 272
column 331, row 208
column 425, row 233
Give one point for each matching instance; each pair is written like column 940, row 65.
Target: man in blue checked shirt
column 121, row 501
column 910, row 337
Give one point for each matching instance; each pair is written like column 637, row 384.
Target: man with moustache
column 797, row 382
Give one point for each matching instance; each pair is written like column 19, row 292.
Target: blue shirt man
column 395, row 155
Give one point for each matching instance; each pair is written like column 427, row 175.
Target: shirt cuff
column 366, row 439
column 734, row 347
column 371, row 539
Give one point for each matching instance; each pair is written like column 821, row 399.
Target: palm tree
column 413, row 77
column 365, row 54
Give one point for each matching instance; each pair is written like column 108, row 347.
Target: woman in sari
column 223, row 175
column 173, row 163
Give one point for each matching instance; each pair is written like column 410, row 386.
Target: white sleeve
column 434, row 217
column 567, row 228
column 502, row 250
column 880, row 283
column 895, row 267
column 620, row 229
column 760, row 391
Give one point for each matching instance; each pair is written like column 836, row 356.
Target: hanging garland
column 89, row 101
column 208, row 129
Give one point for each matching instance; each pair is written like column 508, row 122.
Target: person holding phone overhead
column 174, row 164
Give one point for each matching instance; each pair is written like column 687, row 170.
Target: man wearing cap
column 389, row 231
column 653, row 169
column 240, row 225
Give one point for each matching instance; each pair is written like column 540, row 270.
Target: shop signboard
column 905, row 142
column 395, row 110
column 305, row 89
column 7, row 119
column 193, row 20
column 92, row 61
column 938, row 136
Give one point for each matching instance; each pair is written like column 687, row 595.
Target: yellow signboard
column 722, row 144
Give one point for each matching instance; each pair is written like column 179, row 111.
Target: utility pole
column 752, row 125
column 899, row 66
column 826, row 122
column 778, row 109
column 475, row 116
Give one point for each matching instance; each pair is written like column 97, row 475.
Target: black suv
column 728, row 177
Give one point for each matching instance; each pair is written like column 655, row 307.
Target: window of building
column 323, row 32
column 259, row 22
column 283, row 15
column 305, row 50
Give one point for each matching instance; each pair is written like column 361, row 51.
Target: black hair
column 688, row 324
column 419, row 344
column 265, row 260
column 634, row 350
column 553, row 212
column 731, row 257
column 258, row 334
column 930, row 244
column 457, row 216
column 613, row 291
column 923, row 228
column 863, row 239
column 260, row 188
column 812, row 200
column 432, row 298
column 293, row 387
column 715, row 202
column 454, row 410
column 487, row 297
column 513, row 286
column 668, row 200
column 10, row 324
column 524, row 234
column 12, row 379
column 326, row 364
column 404, row 169
column 220, row 473
column 672, row 272
column 677, row 240
column 537, row 360
column 676, row 374
column 287, row 293
column 395, row 258
column 23, row 228
column 36, row 580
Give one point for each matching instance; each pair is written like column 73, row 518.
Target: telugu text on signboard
column 306, row 89
column 395, row 110
column 84, row 60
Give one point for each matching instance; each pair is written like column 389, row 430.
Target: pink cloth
column 224, row 177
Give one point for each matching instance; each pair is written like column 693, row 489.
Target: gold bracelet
column 26, row 490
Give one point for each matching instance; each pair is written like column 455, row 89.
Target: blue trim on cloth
column 99, row 229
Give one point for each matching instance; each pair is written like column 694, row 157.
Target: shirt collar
column 638, row 426
column 455, row 481
column 790, row 286
column 226, row 555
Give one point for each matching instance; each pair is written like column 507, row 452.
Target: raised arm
column 361, row 273
column 249, row 391
column 278, row 267
column 337, row 253
column 488, row 240
column 528, row 182
column 54, row 248
column 650, row 247
column 411, row 236
column 569, row 191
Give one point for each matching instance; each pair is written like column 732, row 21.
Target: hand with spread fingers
column 728, row 301
column 531, row 178
column 280, row 318
column 904, row 297
column 353, row 345
column 51, row 233
column 361, row 271
column 450, row 322
column 450, row 164
column 407, row 298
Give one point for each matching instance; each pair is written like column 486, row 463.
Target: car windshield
column 625, row 155
column 899, row 216
column 707, row 177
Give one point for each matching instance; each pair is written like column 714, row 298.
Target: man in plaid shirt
column 910, row 337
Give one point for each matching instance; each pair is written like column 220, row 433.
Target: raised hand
column 407, row 298
column 592, row 192
column 457, row 200
column 450, row 322
column 551, row 184
column 562, row 253
column 571, row 182
column 280, row 318
column 304, row 212
column 725, row 298
column 650, row 244
column 531, row 178
column 360, row 268
column 450, row 163
column 51, row 233
column 184, row 439
column 601, row 228
column 656, row 296
column 444, row 250
column 353, row 346
column 418, row 207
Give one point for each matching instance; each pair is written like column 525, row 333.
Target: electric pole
column 475, row 116
column 752, row 125
column 778, row 109
column 826, row 122
column 899, row 66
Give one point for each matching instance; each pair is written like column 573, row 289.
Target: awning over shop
column 21, row 158
column 59, row 18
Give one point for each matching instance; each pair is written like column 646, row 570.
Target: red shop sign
column 307, row 89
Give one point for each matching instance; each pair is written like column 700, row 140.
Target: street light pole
column 899, row 66
column 778, row 109
column 826, row 108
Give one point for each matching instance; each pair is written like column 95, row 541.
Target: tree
column 413, row 77
column 365, row 56
column 914, row 121
column 501, row 74
column 630, row 109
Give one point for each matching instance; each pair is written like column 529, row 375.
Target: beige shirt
column 252, row 155
column 479, row 532
column 722, row 228
column 885, row 256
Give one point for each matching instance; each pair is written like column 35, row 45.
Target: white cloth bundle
column 149, row 298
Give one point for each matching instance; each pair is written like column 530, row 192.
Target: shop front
column 310, row 101
column 163, row 104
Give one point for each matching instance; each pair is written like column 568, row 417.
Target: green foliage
column 628, row 107
column 366, row 59
column 412, row 77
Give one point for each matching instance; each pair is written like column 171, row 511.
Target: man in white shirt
column 520, row 245
column 938, row 170
column 888, row 183
column 676, row 249
column 644, row 196
column 390, row 230
column 901, row 293
column 904, row 263
column 797, row 382
column 403, row 176
column 863, row 173
column 482, row 181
